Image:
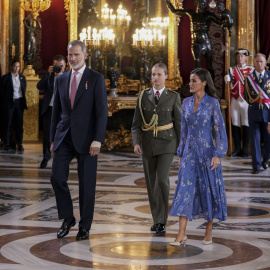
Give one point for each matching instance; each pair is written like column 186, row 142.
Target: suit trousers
column 13, row 116
column 87, row 168
column 46, row 133
column 156, row 170
column 258, row 128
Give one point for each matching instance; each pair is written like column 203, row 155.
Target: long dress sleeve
column 184, row 132
column 220, row 134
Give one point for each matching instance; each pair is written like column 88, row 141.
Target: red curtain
column 262, row 18
column 54, row 33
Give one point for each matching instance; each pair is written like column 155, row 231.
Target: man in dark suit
column 81, row 102
column 156, row 126
column 257, row 94
column 46, row 84
column 12, row 96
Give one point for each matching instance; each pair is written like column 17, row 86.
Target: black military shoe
column 160, row 229
column 265, row 164
column 255, row 172
column 67, row 224
column 154, row 227
column 82, row 234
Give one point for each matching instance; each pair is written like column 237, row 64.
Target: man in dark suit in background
column 46, row 84
column 257, row 95
column 12, row 97
column 81, row 102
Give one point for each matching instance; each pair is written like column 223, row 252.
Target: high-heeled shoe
column 207, row 242
column 178, row 244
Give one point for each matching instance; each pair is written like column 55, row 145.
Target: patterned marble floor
column 120, row 237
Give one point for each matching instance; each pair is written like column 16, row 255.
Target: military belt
column 159, row 128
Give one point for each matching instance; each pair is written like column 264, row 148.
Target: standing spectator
column 12, row 96
column 46, row 84
column 156, row 124
column 239, row 107
column 257, row 95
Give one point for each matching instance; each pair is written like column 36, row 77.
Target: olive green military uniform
column 159, row 145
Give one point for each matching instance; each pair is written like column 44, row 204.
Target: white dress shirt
column 160, row 91
column 17, row 92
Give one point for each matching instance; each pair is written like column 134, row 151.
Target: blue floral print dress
column 200, row 192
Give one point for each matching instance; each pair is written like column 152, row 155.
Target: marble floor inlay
column 120, row 237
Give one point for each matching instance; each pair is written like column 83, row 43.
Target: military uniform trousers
column 157, row 169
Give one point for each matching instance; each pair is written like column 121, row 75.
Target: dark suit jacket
column 47, row 84
column 88, row 118
column 6, row 90
column 169, row 111
column 255, row 113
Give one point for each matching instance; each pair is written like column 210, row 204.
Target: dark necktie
column 157, row 94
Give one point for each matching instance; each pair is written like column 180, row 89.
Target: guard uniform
column 238, row 105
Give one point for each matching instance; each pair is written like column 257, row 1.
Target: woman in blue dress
column 200, row 191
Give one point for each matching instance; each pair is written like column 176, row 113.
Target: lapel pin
column 86, row 85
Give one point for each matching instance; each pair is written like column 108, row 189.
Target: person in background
column 257, row 95
column 46, row 85
column 155, row 133
column 12, row 98
column 239, row 107
column 200, row 191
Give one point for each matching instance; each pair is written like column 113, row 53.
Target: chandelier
column 35, row 6
column 121, row 19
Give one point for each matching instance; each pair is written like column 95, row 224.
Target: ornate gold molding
column 5, row 37
column 21, row 36
column 116, row 104
column 246, row 26
column 174, row 77
column 71, row 7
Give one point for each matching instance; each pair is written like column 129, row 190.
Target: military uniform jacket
column 258, row 109
column 168, row 110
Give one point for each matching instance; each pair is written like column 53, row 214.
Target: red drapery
column 262, row 18
column 54, row 37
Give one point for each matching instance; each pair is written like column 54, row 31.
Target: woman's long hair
column 205, row 75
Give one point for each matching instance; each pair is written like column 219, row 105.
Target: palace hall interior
column 124, row 39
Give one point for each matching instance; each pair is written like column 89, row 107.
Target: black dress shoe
column 255, row 172
column 237, row 153
column 43, row 163
column 20, row 149
column 82, row 234
column 6, row 147
column 265, row 164
column 64, row 230
column 154, row 227
column 160, row 229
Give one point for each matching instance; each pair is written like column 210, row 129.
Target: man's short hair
column 15, row 60
column 77, row 43
column 260, row 54
column 59, row 58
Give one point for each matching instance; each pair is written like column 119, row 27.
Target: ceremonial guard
column 156, row 133
column 257, row 94
column 239, row 107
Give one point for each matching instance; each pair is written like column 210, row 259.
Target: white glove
column 227, row 78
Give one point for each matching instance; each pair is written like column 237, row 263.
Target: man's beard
column 78, row 65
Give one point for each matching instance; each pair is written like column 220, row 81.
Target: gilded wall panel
column 246, row 26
